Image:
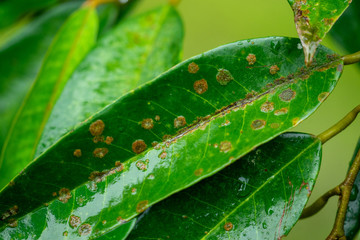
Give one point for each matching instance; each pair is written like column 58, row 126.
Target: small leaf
column 313, row 19
column 23, row 63
column 75, row 38
column 135, row 51
column 352, row 219
column 206, row 125
column 261, row 196
column 346, row 30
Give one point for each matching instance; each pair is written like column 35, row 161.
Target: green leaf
column 346, row 30
column 352, row 219
column 12, row 10
column 134, row 52
column 231, row 104
column 121, row 232
column 313, row 19
column 261, row 196
column 68, row 48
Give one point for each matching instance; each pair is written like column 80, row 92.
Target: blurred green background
column 210, row 23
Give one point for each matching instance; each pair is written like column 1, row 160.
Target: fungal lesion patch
column 281, row 111
column 224, row 76
column 193, row 68
column 97, row 128
column 141, row 165
column 199, row 172
column 9, row 213
column 225, row 146
column 258, row 124
column 147, row 123
column 251, row 59
column 139, row 146
column 97, row 176
column 322, row 96
column 179, row 122
column 109, row 140
column 100, row 152
column 267, row 107
column 274, row 69
column 77, row 153
column 200, row 86
column 74, row 221
column 287, row 95
column 84, row 229
column 228, row 226
column 64, row 195
column 142, row 206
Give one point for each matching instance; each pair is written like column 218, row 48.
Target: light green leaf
column 313, row 19
column 261, row 196
column 71, row 44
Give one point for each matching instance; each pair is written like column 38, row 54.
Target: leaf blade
column 270, row 171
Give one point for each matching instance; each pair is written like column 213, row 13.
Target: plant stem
column 340, row 126
column 351, row 58
column 320, row 203
column 345, row 187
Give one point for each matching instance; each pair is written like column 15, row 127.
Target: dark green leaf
column 243, row 104
column 313, row 19
column 76, row 37
column 261, row 196
column 136, row 51
column 23, row 63
column 352, row 219
column 346, row 30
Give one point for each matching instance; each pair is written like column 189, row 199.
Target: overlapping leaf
column 261, row 196
column 76, row 37
column 352, row 219
column 22, row 63
column 135, row 51
column 313, row 19
column 205, row 113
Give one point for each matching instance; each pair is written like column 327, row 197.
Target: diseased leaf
column 136, row 51
column 121, row 232
column 205, row 113
column 261, row 196
column 22, row 63
column 313, row 19
column 346, row 30
column 75, row 38
column 352, row 219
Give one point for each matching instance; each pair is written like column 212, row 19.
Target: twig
column 351, row 58
column 345, row 188
column 320, row 203
column 340, row 126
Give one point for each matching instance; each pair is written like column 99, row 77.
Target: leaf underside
column 261, row 196
column 225, row 104
column 313, row 19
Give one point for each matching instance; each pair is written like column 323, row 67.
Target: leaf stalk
column 351, row 58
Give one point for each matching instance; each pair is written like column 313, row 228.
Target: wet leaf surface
column 352, row 219
column 261, row 196
column 204, row 113
column 75, row 38
column 23, row 63
column 134, row 52
column 313, row 19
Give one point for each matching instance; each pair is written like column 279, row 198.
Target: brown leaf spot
column 200, row 86
column 274, row 69
column 97, row 139
column 228, row 226
column 100, row 152
column 77, row 153
column 75, row 221
column 142, row 206
column 166, row 137
column 139, row 146
column 109, row 140
column 154, row 144
column 13, row 223
column 117, row 164
column 198, row 172
column 295, row 121
column 251, row 58
column 97, row 128
column 258, row 124
column 287, row 95
column 323, row 96
column 65, row 233
column 224, row 76
column 225, row 146
column 179, row 122
column 193, row 68
column 141, row 165
column 157, row 118
column 84, row 229
column 281, row 111
column 267, row 107
column 64, row 195
column 162, row 155
column 54, row 194
column 275, row 125
column 147, row 123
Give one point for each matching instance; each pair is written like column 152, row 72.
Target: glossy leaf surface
column 22, row 63
column 261, row 196
column 346, row 30
column 313, row 19
column 232, row 113
column 134, row 52
column 352, row 219
column 76, row 37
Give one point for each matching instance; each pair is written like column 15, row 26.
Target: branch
column 345, row 187
column 320, row 203
column 351, row 58
column 340, row 126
